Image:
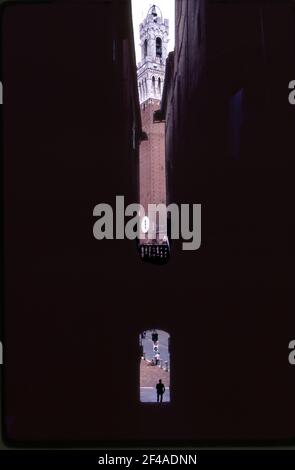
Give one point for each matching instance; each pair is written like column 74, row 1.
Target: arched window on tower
column 159, row 86
column 145, row 48
column 154, row 85
column 159, row 47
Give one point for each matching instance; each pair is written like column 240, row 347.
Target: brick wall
column 152, row 179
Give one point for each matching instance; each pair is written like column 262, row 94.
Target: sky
column 139, row 12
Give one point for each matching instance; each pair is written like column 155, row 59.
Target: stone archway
column 154, row 364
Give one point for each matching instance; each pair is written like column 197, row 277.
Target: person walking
column 160, row 387
column 157, row 358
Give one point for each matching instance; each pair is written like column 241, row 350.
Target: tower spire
column 153, row 32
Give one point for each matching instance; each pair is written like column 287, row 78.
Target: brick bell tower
column 150, row 76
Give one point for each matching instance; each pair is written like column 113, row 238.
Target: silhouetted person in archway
column 160, row 391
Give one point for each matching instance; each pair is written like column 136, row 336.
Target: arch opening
column 154, row 373
column 154, row 85
column 159, row 47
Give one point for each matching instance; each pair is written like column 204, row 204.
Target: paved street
column 149, row 395
column 150, row 375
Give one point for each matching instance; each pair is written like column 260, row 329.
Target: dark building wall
column 229, row 119
column 228, row 129
column 184, row 86
column 70, row 140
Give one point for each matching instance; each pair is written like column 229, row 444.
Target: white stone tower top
column 153, row 40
